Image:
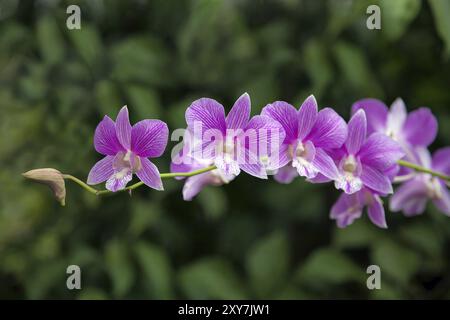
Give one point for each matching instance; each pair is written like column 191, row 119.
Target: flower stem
column 423, row 170
column 87, row 187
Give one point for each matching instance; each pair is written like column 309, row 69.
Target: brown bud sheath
column 52, row 178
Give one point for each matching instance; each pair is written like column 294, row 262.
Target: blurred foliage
column 249, row 239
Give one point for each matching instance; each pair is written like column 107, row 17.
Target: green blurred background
column 251, row 238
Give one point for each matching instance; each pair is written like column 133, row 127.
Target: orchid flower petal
column 443, row 202
column 149, row 138
column 307, row 116
column 105, row 138
column 376, row 180
column 376, row 212
column 207, row 112
column 396, row 117
column 123, row 128
column 286, row 115
column 409, row 198
column 101, row 171
column 441, row 160
column 347, row 209
column 149, row 174
column 286, row 174
column 421, row 127
column 325, row 165
column 380, row 151
column 376, row 112
column 329, row 131
column 357, row 130
column 239, row 115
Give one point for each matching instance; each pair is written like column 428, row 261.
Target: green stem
column 200, row 171
column 138, row 184
column 424, row 170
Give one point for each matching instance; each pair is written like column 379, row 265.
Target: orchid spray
column 364, row 158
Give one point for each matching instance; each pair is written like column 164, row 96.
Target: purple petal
column 326, row 166
column 207, row 112
column 410, row 197
column 350, row 185
column 149, row 138
column 421, row 127
column 396, row 117
column 320, row 178
column 415, row 206
column 393, row 171
column 423, row 157
column 101, row 171
column 123, row 128
column 307, row 116
column 149, row 174
column 286, row 115
column 376, row 213
column 329, row 131
column 443, row 202
column 195, row 184
column 357, row 131
column 105, row 139
column 441, row 160
column 304, row 164
column 278, row 158
column 239, row 115
column 286, row 174
column 183, row 162
column 376, row 180
column 118, row 181
column 250, row 163
column 380, row 151
column 376, row 112
column 263, row 134
column 347, row 209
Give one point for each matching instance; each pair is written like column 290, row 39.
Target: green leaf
column 423, row 236
column 88, row 44
column 356, row 70
column 51, row 43
column 397, row 15
column 387, row 291
column 441, row 13
column 157, row 270
column 317, row 66
column 144, row 100
column 91, row 293
column 119, row 267
column 358, row 235
column 268, row 263
column 328, row 266
column 395, row 260
column 144, row 215
column 213, row 201
column 141, row 59
column 108, row 98
column 211, row 278
column 44, row 277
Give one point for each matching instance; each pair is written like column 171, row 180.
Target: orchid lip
column 434, row 188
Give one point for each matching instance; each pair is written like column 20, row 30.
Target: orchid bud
column 51, row 177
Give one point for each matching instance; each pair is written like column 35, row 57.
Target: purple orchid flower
column 127, row 150
column 366, row 162
column 418, row 128
column 185, row 162
column 412, row 196
column 309, row 136
column 349, row 207
column 233, row 142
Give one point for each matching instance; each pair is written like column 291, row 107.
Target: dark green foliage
column 249, row 239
